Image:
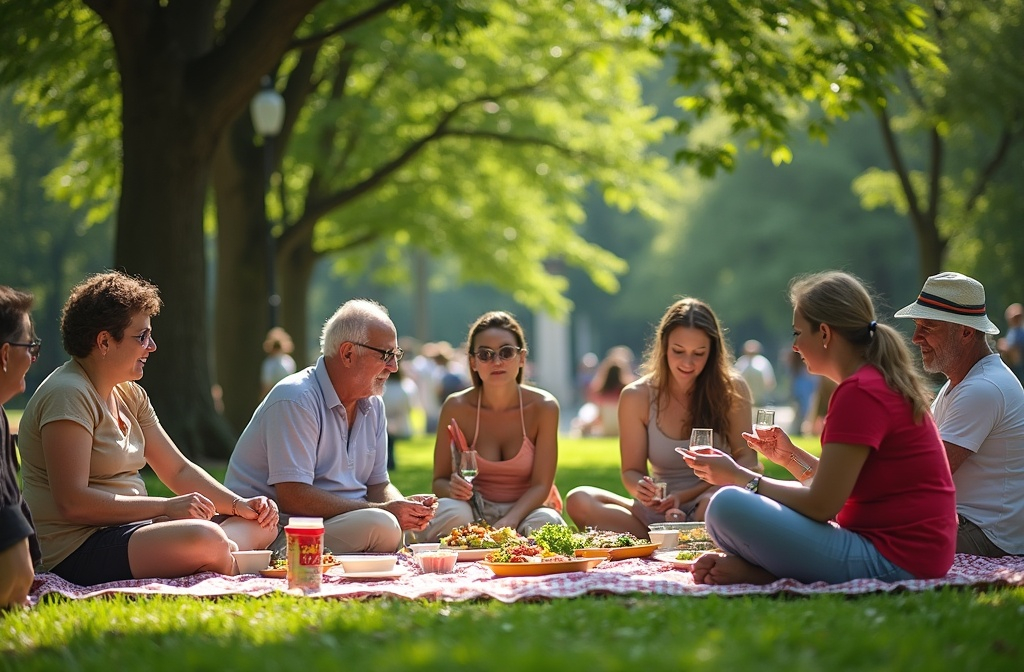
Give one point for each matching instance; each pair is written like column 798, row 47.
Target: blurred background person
column 425, row 372
column 400, row 397
column 278, row 363
column 19, row 549
column 802, row 386
column 758, row 372
column 600, row 415
column 1011, row 346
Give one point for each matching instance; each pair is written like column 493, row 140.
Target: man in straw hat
column 979, row 412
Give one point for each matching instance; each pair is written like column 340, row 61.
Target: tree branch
column 935, row 157
column 896, row 159
column 1002, row 149
column 316, row 39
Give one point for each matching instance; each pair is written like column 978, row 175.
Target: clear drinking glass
column 701, row 438
column 765, row 420
column 661, row 489
column 467, row 465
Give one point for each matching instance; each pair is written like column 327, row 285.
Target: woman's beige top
column 117, row 456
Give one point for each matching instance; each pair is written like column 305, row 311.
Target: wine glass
column 701, row 438
column 764, row 422
column 467, row 465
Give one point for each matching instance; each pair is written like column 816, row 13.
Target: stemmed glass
column 467, row 465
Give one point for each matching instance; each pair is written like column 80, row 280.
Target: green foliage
column 958, row 144
column 737, row 241
column 481, row 149
column 48, row 245
column 761, row 62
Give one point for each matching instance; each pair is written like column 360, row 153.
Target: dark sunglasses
column 385, row 355
column 33, row 347
column 504, row 353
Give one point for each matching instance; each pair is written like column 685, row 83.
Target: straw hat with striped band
column 951, row 297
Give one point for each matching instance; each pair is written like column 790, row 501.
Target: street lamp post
column 267, row 111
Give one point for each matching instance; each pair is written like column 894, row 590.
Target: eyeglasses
column 504, row 353
column 145, row 338
column 33, row 347
column 385, row 355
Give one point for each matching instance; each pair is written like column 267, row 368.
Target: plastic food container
column 437, row 562
column 305, row 553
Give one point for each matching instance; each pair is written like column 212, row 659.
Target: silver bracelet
column 803, row 465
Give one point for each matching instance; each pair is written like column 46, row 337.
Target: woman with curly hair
column 90, row 428
column 687, row 382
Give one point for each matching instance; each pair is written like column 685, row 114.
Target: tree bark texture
column 241, row 316
column 182, row 84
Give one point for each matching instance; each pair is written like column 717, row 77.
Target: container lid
column 671, row 526
column 305, row 523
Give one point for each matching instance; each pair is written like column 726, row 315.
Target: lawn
column 941, row 630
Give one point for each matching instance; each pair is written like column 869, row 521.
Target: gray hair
column 351, row 322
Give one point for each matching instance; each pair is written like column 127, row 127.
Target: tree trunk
column 931, row 250
column 182, row 84
column 241, row 315
column 168, row 251
column 295, row 270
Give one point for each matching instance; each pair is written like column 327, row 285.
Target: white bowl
column 425, row 546
column 437, row 562
column 250, row 562
column 668, row 539
column 368, row 562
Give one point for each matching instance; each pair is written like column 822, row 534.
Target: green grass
column 946, row 629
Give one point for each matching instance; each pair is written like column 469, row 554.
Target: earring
column 826, row 346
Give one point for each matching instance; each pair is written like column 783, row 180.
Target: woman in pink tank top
column 514, row 430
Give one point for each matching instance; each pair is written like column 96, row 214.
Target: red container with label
column 305, row 553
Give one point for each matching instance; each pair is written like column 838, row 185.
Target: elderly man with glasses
column 317, row 443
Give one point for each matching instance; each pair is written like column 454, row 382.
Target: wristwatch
column 754, row 483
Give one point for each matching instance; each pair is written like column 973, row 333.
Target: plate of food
column 542, row 567
column 618, row 552
column 474, row 541
column 279, row 566
column 680, row 559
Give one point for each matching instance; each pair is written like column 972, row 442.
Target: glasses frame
column 385, row 355
column 33, row 348
column 487, row 355
column 145, row 338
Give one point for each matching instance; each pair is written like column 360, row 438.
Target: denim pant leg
column 791, row 545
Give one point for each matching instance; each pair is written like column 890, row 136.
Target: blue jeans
column 791, row 545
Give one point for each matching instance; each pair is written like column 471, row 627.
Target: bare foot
column 719, row 569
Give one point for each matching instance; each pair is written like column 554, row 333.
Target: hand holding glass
column 467, row 465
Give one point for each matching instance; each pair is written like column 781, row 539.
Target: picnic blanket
column 472, row 580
